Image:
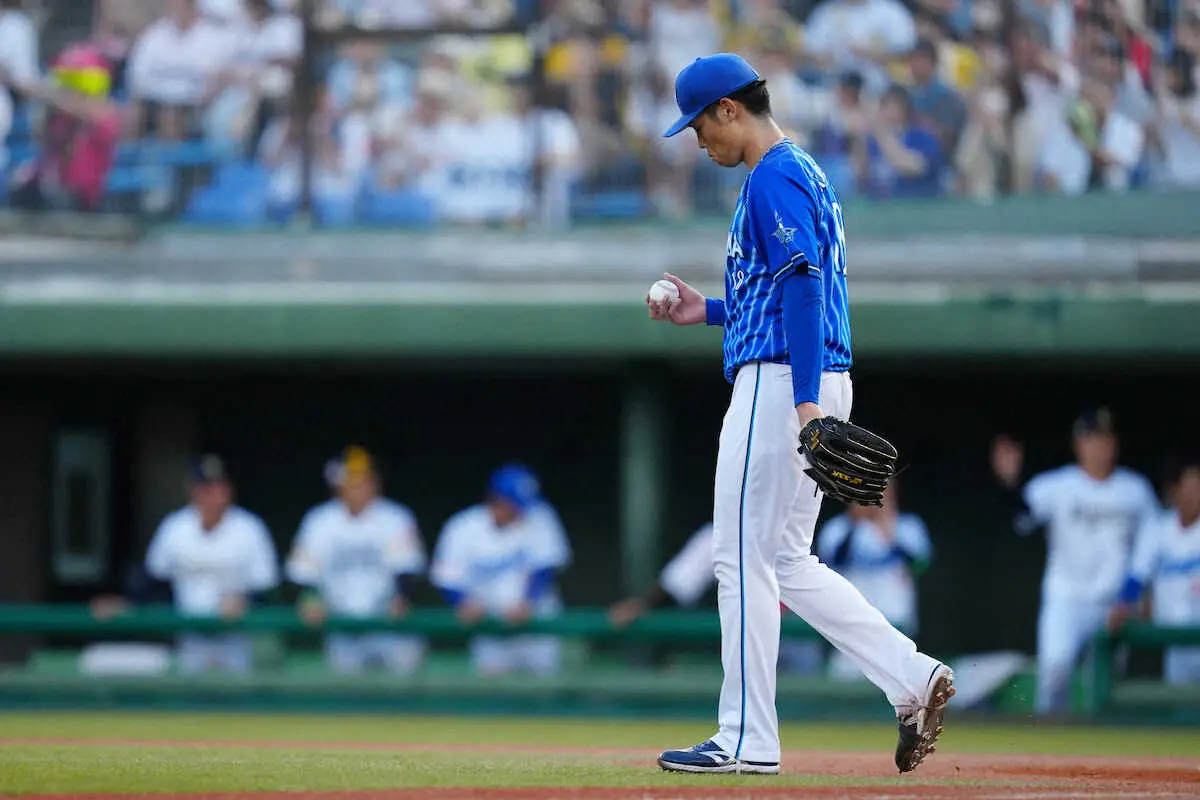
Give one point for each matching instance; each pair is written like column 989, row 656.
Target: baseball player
column 355, row 553
column 1091, row 512
column 1166, row 559
column 881, row 551
column 787, row 354
column 499, row 559
column 217, row 557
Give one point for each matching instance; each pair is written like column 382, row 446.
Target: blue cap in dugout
column 516, row 484
column 705, row 81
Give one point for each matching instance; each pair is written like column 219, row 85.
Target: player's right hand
column 689, row 309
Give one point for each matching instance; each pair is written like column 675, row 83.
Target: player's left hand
column 847, row 462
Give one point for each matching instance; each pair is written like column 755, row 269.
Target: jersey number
column 838, row 249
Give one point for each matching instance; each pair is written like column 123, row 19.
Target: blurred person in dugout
column 212, row 558
column 500, row 560
column 1166, row 567
column 882, row 551
column 1092, row 512
column 358, row 555
column 78, row 135
column 686, row 578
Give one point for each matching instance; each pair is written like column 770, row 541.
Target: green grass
column 64, row 768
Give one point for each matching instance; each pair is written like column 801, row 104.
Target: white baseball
column 663, row 291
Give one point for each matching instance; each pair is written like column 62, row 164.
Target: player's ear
column 726, row 110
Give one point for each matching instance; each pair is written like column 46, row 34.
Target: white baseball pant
column 198, row 653
column 497, row 655
column 350, row 655
column 764, row 518
column 1065, row 628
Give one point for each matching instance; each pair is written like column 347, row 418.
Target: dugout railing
column 631, row 675
column 1108, row 693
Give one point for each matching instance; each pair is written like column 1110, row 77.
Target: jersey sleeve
column 1040, row 494
column 687, row 576
column 914, row 544
column 832, row 537
column 1143, row 562
column 304, row 561
column 449, row 569
column 783, row 219
column 262, row 569
column 404, row 553
column 552, row 550
column 160, row 556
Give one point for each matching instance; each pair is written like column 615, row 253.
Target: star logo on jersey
column 783, row 233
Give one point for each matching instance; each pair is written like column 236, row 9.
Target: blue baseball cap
column 516, row 484
column 705, row 81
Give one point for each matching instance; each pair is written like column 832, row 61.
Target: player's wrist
column 714, row 312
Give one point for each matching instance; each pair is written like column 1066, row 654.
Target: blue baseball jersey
column 788, row 221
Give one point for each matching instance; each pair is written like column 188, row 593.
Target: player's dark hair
column 1178, row 464
column 754, row 97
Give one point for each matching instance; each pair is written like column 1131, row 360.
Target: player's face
column 357, row 491
column 503, row 512
column 1186, row 496
column 717, row 135
column 212, row 500
column 1096, row 452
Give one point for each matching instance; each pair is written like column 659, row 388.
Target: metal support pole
column 643, row 478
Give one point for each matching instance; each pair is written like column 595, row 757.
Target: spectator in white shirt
column 364, row 67
column 861, row 35
column 1101, row 146
column 339, row 154
column 413, row 146
column 269, row 47
column 553, row 147
column 173, row 69
column 18, row 65
column 1048, row 84
column 681, row 31
column 1177, row 123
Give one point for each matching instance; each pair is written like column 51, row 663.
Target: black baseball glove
column 847, row 462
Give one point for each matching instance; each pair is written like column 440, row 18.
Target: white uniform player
column 355, row 552
column 881, row 552
column 1091, row 512
column 499, row 560
column 1167, row 560
column 215, row 555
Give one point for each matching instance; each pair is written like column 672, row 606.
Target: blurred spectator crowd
column 513, row 112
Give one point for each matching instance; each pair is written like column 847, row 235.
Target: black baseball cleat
column 921, row 726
